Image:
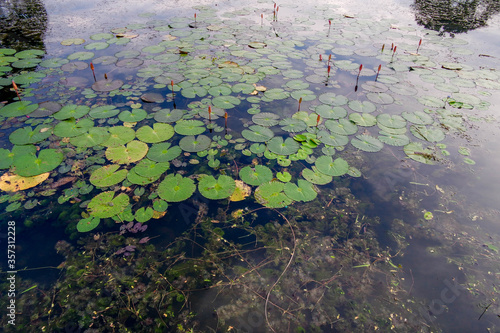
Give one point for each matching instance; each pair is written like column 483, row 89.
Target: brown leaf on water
column 62, row 181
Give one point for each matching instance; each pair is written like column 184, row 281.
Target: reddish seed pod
column 383, row 46
column 360, row 67
column 225, row 115
column 320, row 58
column 395, row 47
column 318, row 119
column 91, row 66
column 329, row 67
column 379, row 68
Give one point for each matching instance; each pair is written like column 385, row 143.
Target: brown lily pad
column 107, row 85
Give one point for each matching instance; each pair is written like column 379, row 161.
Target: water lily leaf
column 244, row 88
column 329, row 112
column 257, row 45
column 46, row 109
column 149, row 168
column 394, row 139
column 133, row 116
column 216, row 189
column 106, row 205
column 104, row 111
column 418, row 118
column 194, row 144
column 10, row 182
column 241, row 191
column 96, row 46
column 266, row 119
column 316, row 177
column 71, row 128
column 303, row 192
column 309, row 119
column 100, row 36
column 363, row 119
column 341, row 127
column 129, row 62
column 26, row 63
column 189, row 127
column 333, row 139
column 144, row 214
column 280, row 147
column 83, row 55
column 431, row 101
column 94, row 137
column 168, row 116
column 431, row 134
column 364, row 106
column 29, row 78
column 163, row 152
column 276, row 94
column 271, row 195
column 107, row 85
column 333, row 99
column 367, row 143
column 417, row 152
column 88, row 224
column 108, row 176
column 393, row 121
column 223, row 90
column 160, row 132
column 292, row 125
column 175, row 188
column 119, row 135
column 30, row 165
column 134, row 178
column 305, row 95
column 132, row 152
column 160, row 205
column 380, row 98
column 192, row 92
column 284, row 176
column 330, row 167
column 257, row 133
column 28, row 135
column 225, row 102
column 73, row 41
column 256, row 175
column 17, row 109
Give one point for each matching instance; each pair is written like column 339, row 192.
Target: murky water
column 410, row 246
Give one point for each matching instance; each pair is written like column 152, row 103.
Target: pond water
column 250, row 167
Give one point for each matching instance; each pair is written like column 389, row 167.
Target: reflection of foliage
column 453, row 15
column 22, row 24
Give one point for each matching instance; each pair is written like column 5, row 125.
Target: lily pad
column 132, row 152
column 333, row 139
column 292, row 125
column 367, row 143
column 149, row 168
column 175, row 188
column 10, row 182
column 17, row 109
column 107, row 85
column 28, row 135
column 431, row 134
column 189, row 127
column 30, row 165
column 341, row 127
column 88, row 224
column 168, row 116
column 216, row 189
column 256, row 175
column 133, row 116
column 325, row 164
column 104, row 111
column 108, row 175
column 160, row 132
column 417, row 152
column 363, row 119
column 194, row 144
column 257, row 133
column 329, row 112
column 225, row 102
column 70, row 128
column 316, row 177
column 280, row 147
column 271, row 195
column 106, row 205
column 303, row 192
column 266, row 119
column 94, row 137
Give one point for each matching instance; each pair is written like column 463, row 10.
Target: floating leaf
column 292, row 125
column 216, row 189
column 81, row 56
column 363, row 119
column 133, row 116
column 94, row 137
column 418, row 118
column 280, row 147
column 88, row 224
column 257, row 133
column 393, row 121
column 73, row 41
column 149, row 168
column 143, row 214
column 266, row 119
column 226, row 102
column 326, row 165
column 333, row 99
column 316, row 177
column 12, row 183
column 256, row 175
column 192, row 92
column 380, row 98
column 106, row 205
column 28, row 135
column 163, row 152
column 271, row 195
column 168, row 116
column 175, row 188
column 137, row 179
column 285, row 176
column 341, row 127
column 394, row 139
column 107, row 85
column 104, row 111
column 333, row 139
column 189, row 127
column 160, row 132
column 367, row 143
column 303, row 192
column 132, row 152
column 329, row 112
column 108, row 175
column 365, row 106
column 194, row 144
column 431, row 134
column 241, row 191
column 415, row 151
column 30, row 165
column 71, row 128
column 17, row 109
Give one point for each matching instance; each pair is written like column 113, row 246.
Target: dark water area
column 391, row 222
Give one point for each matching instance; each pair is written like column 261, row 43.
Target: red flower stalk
column 16, row 89
column 225, row 119
column 360, row 68
column 392, row 46
column 329, row 68
column 194, row 17
column 379, row 67
column 419, row 43
column 320, row 58
column 383, row 46
column 318, row 120
column 300, row 102
column 93, row 72
column 395, row 47
column 210, row 113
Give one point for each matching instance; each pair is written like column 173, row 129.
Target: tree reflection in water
column 22, row 24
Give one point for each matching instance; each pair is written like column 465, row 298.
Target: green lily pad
column 17, row 109
column 393, row 121
column 192, row 92
column 175, row 188
column 107, row 85
column 216, row 189
column 133, row 116
column 329, row 112
column 380, row 98
column 363, row 119
column 292, row 125
column 226, row 102
column 431, row 134
column 189, row 127
column 129, row 62
column 335, row 140
column 341, row 127
column 94, row 137
column 364, row 106
column 88, row 224
column 28, row 135
column 280, row 147
column 256, row 175
column 168, row 116
column 73, row 41
column 54, row 62
column 26, row 63
column 71, row 128
column 106, row 205
column 144, row 214
column 394, row 139
column 276, row 94
column 134, row 178
column 71, row 111
column 271, row 195
column 132, row 152
column 257, row 133
column 316, row 177
column 194, row 144
column 418, row 118
column 417, row 152
column 163, row 152
column 108, row 176
column 160, row 205
column 149, row 168
column 325, row 164
column 303, row 192
column 266, row 119
column 333, row 99
column 367, row 143
column 160, row 132
column 28, row 165
column 82, row 55
column 284, row 176
column 104, row 111
column 29, row 78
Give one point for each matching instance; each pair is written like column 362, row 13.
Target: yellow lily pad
column 241, row 191
column 10, row 182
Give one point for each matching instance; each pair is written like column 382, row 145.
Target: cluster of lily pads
column 124, row 114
